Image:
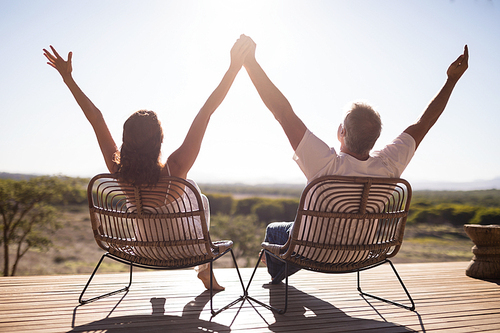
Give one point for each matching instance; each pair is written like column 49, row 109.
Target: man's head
column 360, row 129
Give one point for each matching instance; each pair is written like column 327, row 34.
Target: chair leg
column 85, row 301
column 241, row 298
column 239, row 274
column 268, row 306
column 255, row 270
column 411, row 308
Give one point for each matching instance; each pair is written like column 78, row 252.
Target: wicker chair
column 160, row 227
column 345, row 224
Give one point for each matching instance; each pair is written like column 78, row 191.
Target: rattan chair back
column 347, row 223
column 162, row 226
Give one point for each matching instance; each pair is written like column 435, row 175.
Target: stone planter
column 486, row 261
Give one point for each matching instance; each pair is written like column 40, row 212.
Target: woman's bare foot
column 204, row 276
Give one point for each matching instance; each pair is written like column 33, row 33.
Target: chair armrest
column 222, row 246
column 275, row 249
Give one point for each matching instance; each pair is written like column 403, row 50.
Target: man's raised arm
column 275, row 101
column 438, row 104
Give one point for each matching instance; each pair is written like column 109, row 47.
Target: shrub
column 245, row 206
column 220, row 203
column 455, row 214
column 461, row 214
column 269, row 211
column 290, row 207
column 487, row 215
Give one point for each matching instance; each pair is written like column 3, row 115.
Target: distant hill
column 22, row 176
column 17, row 176
column 462, row 186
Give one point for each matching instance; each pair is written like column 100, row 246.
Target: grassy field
column 75, row 251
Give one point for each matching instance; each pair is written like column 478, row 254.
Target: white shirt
column 316, row 159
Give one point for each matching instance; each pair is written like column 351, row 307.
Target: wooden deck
column 175, row 301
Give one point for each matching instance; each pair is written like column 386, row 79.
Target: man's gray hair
column 363, row 126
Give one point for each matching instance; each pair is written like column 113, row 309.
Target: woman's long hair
column 139, row 158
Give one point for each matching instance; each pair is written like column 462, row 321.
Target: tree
column 28, row 215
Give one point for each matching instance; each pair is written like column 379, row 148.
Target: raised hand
column 459, row 66
column 94, row 116
column 419, row 129
column 55, row 60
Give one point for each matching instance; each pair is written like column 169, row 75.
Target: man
column 357, row 135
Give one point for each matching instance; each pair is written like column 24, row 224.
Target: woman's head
column 139, row 160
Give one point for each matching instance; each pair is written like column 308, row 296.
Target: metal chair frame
column 114, row 206
column 384, row 202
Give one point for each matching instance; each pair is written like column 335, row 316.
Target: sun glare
column 231, row 18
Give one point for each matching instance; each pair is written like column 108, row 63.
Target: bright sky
column 168, row 56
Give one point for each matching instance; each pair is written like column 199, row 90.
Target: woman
column 138, row 161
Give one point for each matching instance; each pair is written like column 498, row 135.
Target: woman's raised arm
column 94, row 116
column 181, row 160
